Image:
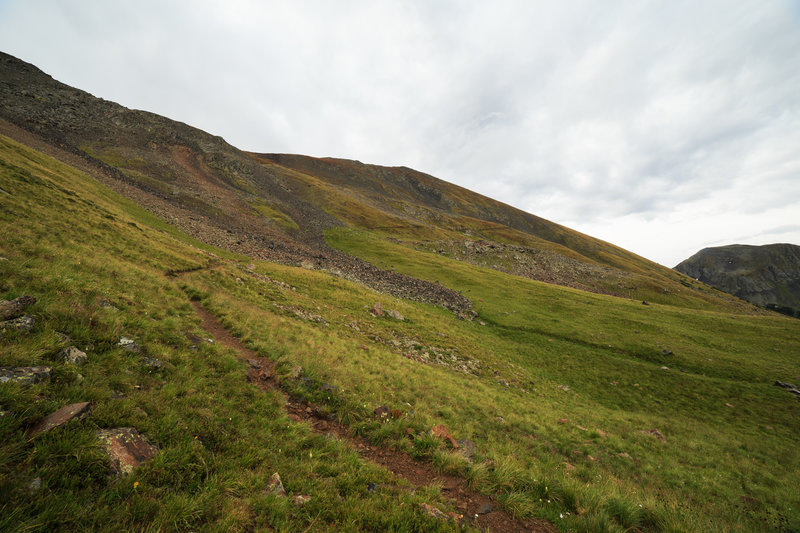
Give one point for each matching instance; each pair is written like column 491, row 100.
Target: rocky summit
column 767, row 275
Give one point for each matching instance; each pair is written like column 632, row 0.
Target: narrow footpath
column 478, row 510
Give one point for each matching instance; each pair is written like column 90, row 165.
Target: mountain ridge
column 279, row 206
column 767, row 275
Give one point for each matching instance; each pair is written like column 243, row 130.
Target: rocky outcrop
column 768, row 275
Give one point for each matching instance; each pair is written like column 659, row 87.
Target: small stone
column 466, row 448
column 327, row 387
column 62, row 338
column 569, row 466
column 664, row 368
column 485, row 508
column 562, row 420
column 59, row 418
column 564, row 387
column 503, row 382
column 381, row 412
column 128, row 344
column 624, row 455
column 432, row 511
column 274, row 486
column 253, row 363
column 301, row 499
column 376, row 310
column 25, row 375
column 728, row 405
column 34, row 485
column 391, row 313
column 151, row 362
column 655, row 433
column 296, row 372
column 372, row 487
column 105, row 303
column 73, row 356
column 126, row 449
column 440, row 432
column 645, row 303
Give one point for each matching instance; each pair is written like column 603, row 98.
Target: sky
column 663, row 127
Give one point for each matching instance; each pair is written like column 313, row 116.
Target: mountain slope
column 592, row 412
column 764, row 275
column 278, row 207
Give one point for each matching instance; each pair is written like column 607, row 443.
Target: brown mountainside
column 278, row 206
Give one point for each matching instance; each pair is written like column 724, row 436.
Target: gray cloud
column 659, row 126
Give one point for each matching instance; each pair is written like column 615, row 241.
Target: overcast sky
column 662, row 127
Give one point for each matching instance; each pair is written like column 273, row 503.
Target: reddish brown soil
column 465, row 499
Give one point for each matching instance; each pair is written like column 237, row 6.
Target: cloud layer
column 663, row 127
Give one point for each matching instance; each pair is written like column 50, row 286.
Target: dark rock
column 73, row 356
column 59, row 418
column 128, row 344
column 645, row 303
column 24, row 323
column 126, row 448
column 151, row 362
column 382, row 412
column 485, row 508
column 327, row 387
column 12, row 308
column 25, row 375
column 372, row 487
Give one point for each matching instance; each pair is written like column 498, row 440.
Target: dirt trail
column 467, row 500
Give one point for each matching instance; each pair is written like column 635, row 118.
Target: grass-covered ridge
column 563, row 387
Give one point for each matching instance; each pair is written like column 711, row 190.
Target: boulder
column 126, row 449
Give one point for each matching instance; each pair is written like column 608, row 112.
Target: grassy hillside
column 559, row 389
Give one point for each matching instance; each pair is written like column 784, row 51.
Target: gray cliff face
column 763, row 275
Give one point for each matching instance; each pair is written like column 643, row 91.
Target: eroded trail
column 470, row 503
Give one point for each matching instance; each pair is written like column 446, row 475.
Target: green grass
column 590, row 359
column 71, row 243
